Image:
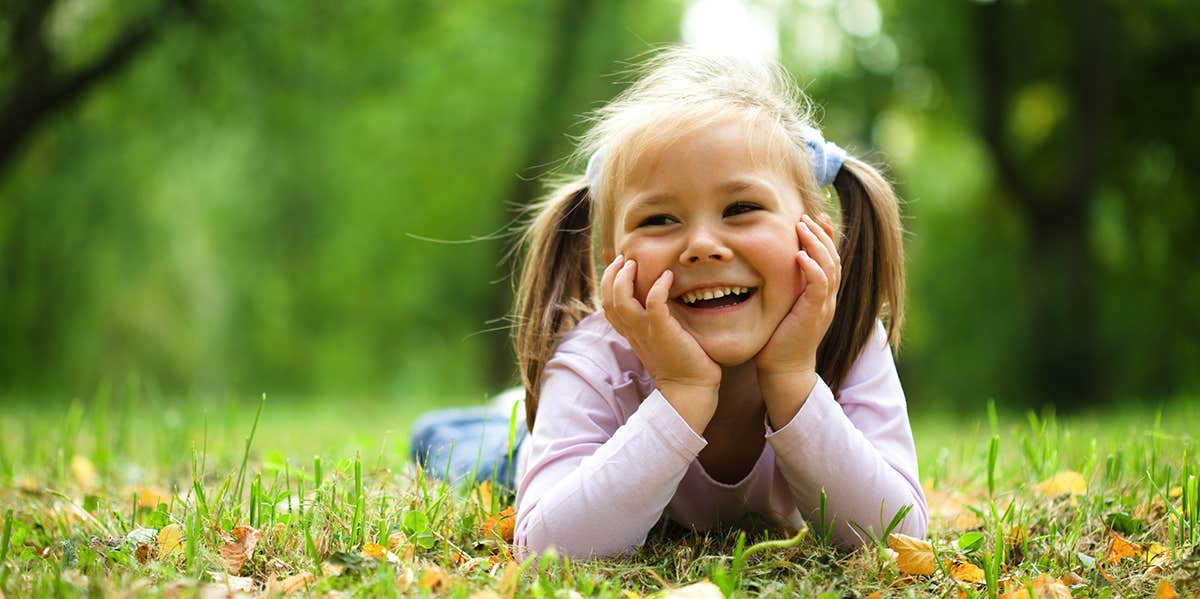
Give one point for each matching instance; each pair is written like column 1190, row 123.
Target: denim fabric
column 461, row 443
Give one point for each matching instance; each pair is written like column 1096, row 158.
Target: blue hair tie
column 826, row 159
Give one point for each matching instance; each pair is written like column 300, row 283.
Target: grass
column 88, row 487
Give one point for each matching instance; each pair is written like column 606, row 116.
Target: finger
column 656, row 299
column 817, row 282
column 817, row 249
column 606, row 282
column 623, row 297
column 825, row 233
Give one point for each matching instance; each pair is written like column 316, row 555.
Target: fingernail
column 619, row 258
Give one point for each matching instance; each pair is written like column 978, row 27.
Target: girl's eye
column 657, row 220
column 737, row 208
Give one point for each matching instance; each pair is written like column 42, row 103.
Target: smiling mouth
column 719, row 299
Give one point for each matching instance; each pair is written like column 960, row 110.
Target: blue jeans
column 470, row 443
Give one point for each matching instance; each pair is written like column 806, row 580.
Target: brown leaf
column 230, row 582
column 483, row 494
column 291, row 584
column 434, row 580
column 144, row 553
column 964, row 571
column 1071, row 579
column 913, row 556
column 404, row 579
column 239, row 547
column 501, row 524
column 1165, row 590
column 397, row 540
column 874, row 595
column 1067, row 482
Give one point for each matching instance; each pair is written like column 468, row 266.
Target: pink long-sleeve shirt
column 608, row 455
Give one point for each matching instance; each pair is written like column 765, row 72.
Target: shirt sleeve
column 858, row 448
column 594, row 485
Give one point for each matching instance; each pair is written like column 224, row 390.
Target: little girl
column 731, row 359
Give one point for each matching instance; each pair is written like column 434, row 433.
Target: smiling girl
column 733, row 357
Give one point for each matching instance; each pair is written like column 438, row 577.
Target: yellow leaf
column 913, row 556
column 501, row 524
column 632, row 595
column 1119, row 549
column 372, row 551
column 85, row 473
column 1067, row 482
column 170, row 540
column 874, row 595
column 1071, row 579
column 1165, row 590
column 964, row 571
column 700, row 590
column 483, row 493
column 485, row 594
column 1043, row 587
column 239, row 547
column 151, row 497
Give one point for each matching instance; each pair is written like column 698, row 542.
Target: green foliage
column 252, row 202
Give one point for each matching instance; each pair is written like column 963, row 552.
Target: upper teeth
column 692, row 297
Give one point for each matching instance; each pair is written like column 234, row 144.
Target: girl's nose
column 704, row 247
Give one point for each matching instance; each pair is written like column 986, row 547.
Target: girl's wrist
column 696, row 403
column 785, row 392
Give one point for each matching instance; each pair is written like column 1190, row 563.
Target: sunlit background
column 312, row 199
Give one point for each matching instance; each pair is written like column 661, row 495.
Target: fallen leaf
column 1119, row 549
column 239, row 547
column 404, row 579
column 471, row 564
column 1165, row 590
column 291, row 584
column 483, row 493
column 874, row 595
column 434, row 580
column 508, row 580
column 952, row 509
column 485, row 594
column 964, row 571
column 914, row 556
column 700, row 590
column 144, row 553
column 1043, row 587
column 397, row 540
column 170, row 540
column 1071, row 579
column 372, row 551
column 233, row 583
column 151, row 497
column 85, row 473
column 501, row 524
column 1067, row 482
column 331, row 569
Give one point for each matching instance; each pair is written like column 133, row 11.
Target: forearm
column 605, row 503
column 784, row 393
column 821, row 450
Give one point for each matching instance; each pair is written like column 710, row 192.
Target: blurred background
column 311, row 198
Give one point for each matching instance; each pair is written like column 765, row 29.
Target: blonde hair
column 680, row 90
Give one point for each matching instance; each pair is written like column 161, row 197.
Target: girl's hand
column 791, row 353
column 685, row 375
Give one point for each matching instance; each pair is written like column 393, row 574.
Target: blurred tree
column 42, row 79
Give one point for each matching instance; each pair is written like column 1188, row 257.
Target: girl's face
column 724, row 223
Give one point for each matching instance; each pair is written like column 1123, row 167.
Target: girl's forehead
column 726, row 148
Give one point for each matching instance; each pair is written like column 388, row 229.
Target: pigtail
column 556, row 288
column 872, row 251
